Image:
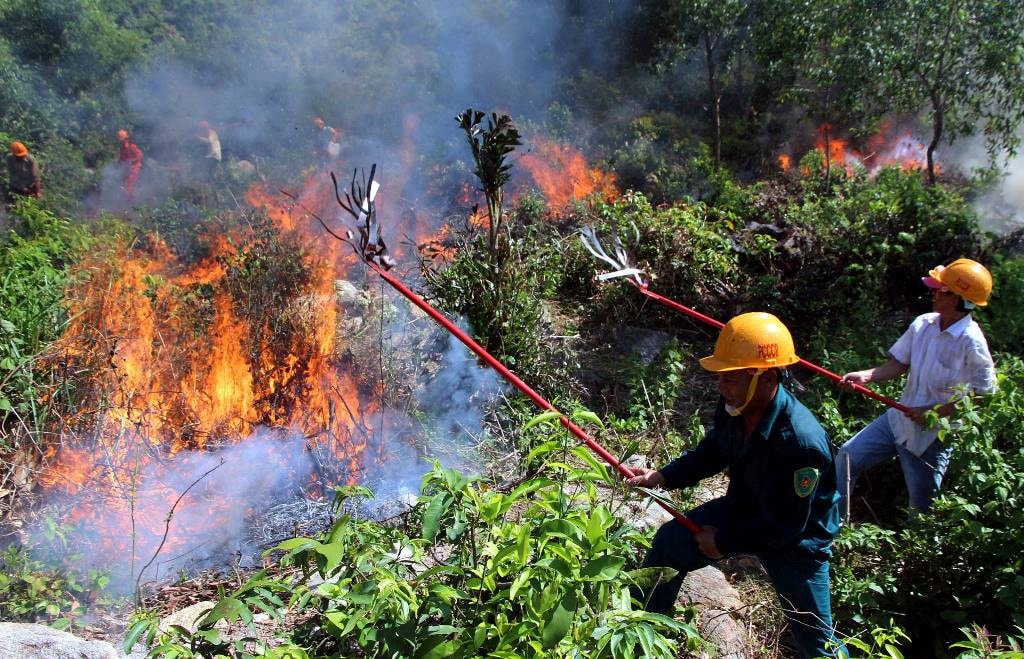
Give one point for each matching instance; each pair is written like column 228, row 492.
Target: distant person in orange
column 130, row 159
column 22, row 174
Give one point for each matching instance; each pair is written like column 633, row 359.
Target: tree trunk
column 937, row 124
column 828, row 155
column 494, row 213
column 715, row 99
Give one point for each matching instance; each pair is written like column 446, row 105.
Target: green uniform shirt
column 782, row 483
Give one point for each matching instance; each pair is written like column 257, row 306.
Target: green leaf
column 560, row 528
column 630, row 450
column 134, row 632
column 596, row 526
column 587, row 415
column 647, row 640
column 292, row 546
column 523, row 545
column 526, row 488
column 543, row 417
column 542, row 449
column 432, row 516
column 332, row 552
column 435, row 647
column 519, row 582
column 561, row 619
column 648, row 576
column 208, row 635
column 893, row 651
column 561, row 567
column 445, row 593
column 604, row 568
column 229, row 609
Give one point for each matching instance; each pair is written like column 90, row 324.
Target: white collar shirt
column 941, row 363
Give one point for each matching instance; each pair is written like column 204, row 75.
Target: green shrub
column 504, row 303
column 1003, row 319
column 538, row 571
column 684, row 249
column 33, row 590
column 867, row 241
column 33, row 273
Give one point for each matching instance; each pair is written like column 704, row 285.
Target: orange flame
column 562, row 174
column 888, row 147
column 179, row 364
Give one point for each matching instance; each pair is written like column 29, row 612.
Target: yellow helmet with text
column 756, row 340
column 969, row 279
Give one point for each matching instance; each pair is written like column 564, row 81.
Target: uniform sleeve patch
column 804, row 480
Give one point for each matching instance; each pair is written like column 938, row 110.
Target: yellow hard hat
column 752, row 340
column 18, row 149
column 969, row 279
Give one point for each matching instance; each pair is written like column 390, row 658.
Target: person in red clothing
column 130, row 159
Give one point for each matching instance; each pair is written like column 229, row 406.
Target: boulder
column 30, row 641
column 188, row 617
column 709, row 588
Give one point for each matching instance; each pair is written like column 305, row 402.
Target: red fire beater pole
column 626, row 472
column 672, row 304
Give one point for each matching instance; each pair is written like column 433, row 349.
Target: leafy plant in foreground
column 538, row 571
column 33, row 591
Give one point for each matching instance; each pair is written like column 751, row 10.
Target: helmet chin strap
column 736, row 411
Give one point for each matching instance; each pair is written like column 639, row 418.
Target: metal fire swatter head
column 359, row 203
column 620, row 262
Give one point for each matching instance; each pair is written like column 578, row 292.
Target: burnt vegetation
column 811, row 159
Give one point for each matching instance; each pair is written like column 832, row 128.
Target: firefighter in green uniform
column 782, row 500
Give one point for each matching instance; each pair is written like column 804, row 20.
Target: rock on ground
column 720, row 611
column 29, row 641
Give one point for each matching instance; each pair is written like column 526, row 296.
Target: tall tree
column 959, row 59
column 716, row 24
column 712, row 28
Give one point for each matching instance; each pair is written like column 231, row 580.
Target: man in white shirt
column 209, row 143
column 945, row 352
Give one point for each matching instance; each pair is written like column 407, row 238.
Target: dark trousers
column 801, row 580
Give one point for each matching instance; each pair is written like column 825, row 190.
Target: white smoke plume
column 451, row 396
column 181, row 514
column 1001, row 208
